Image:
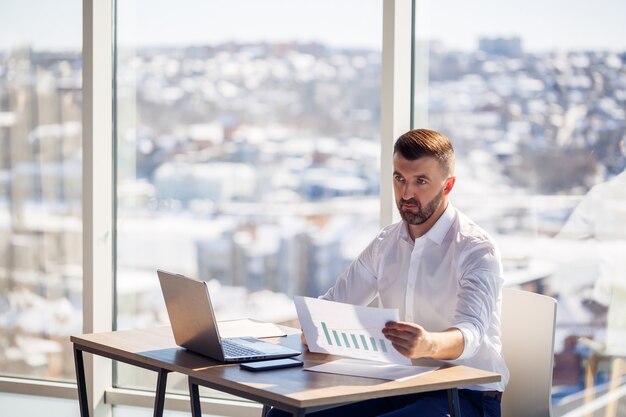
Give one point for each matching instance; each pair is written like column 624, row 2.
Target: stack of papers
column 371, row 369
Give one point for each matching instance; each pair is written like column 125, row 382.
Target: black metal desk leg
column 79, row 365
column 159, row 399
column 194, row 395
column 453, row 401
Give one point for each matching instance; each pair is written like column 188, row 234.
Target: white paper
column 348, row 330
column 248, row 328
column 370, row 369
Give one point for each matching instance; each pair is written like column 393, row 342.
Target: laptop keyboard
column 234, row 349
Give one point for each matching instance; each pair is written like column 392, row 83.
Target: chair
column 613, row 351
column 528, row 322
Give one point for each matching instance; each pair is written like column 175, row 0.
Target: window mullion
column 97, row 191
column 395, row 93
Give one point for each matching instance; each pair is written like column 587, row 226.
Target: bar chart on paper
column 347, row 330
column 353, row 340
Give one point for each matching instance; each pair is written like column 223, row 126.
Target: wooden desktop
column 294, row 389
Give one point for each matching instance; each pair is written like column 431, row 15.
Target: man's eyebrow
column 417, row 176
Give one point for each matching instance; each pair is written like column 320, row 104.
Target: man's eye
column 398, row 178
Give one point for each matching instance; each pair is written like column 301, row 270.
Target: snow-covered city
column 256, row 167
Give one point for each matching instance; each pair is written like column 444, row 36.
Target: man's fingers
column 402, row 339
column 402, row 326
column 398, row 335
column 401, row 349
column 403, row 331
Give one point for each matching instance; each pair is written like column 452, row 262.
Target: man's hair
column 418, row 143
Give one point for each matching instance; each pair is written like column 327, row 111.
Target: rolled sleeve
column 479, row 291
column 471, row 339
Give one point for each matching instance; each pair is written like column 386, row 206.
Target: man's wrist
column 433, row 345
column 446, row 345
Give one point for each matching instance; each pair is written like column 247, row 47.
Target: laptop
column 195, row 328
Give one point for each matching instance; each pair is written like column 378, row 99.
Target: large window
column 247, row 151
column 534, row 100
column 40, row 187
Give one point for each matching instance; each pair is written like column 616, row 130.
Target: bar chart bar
column 345, row 339
column 356, row 344
column 364, row 342
column 382, row 345
column 374, row 344
column 326, row 333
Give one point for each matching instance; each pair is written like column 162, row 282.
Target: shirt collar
column 442, row 225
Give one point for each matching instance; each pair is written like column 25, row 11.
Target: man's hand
column 410, row 339
column 413, row 341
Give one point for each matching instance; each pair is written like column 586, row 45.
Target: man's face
column 420, row 187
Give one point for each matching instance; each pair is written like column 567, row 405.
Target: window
column 40, row 188
column 248, row 151
column 537, row 119
column 232, row 113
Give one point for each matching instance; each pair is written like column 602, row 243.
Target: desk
column 292, row 389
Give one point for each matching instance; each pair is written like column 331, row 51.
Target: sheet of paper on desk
column 248, row 327
column 347, row 330
column 370, row 369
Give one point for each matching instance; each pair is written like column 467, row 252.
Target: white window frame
column 98, row 199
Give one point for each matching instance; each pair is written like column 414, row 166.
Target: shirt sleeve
column 581, row 223
column 357, row 285
column 480, row 289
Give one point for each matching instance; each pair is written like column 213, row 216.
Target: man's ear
column 449, row 185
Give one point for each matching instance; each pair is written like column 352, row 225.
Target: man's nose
column 407, row 192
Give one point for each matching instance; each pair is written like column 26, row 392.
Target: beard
column 422, row 214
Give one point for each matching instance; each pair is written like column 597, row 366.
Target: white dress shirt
column 600, row 216
column 449, row 277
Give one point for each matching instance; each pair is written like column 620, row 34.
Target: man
column 599, row 219
column 444, row 274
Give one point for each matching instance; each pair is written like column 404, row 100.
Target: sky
column 542, row 24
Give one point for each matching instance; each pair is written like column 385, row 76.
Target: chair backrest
column 528, row 321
